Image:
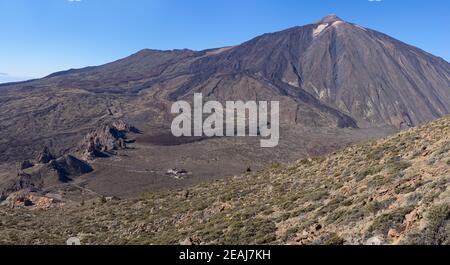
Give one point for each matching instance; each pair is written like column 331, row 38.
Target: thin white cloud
column 73, row 1
column 368, row 0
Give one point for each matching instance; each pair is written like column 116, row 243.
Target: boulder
column 191, row 241
column 392, row 233
column 25, row 165
column 374, row 241
column 45, row 156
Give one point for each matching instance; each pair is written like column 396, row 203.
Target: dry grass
column 386, row 188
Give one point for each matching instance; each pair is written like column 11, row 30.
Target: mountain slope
column 328, row 74
column 360, row 72
column 388, row 191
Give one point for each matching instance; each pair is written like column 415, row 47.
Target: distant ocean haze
column 7, row 78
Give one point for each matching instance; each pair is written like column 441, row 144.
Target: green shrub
column 375, row 206
column 317, row 195
column 386, row 221
column 250, row 231
column 437, row 231
column 275, row 165
column 290, row 234
column 375, row 155
column 378, row 181
column 334, row 240
column 371, row 170
column 396, row 165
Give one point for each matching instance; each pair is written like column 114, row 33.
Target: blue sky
column 38, row 37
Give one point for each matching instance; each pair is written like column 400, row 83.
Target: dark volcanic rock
column 45, row 156
column 38, row 177
column 60, row 170
column 24, row 165
column 105, row 139
column 357, row 72
column 23, row 182
column 69, row 166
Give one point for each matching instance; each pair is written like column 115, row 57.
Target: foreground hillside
column 384, row 192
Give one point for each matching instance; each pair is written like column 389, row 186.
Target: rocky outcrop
column 58, row 171
column 104, row 140
column 28, row 199
column 47, row 170
column 24, row 165
column 69, row 166
column 45, row 156
column 23, row 181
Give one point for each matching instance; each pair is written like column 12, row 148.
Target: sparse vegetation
column 437, row 231
column 390, row 220
column 336, row 199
